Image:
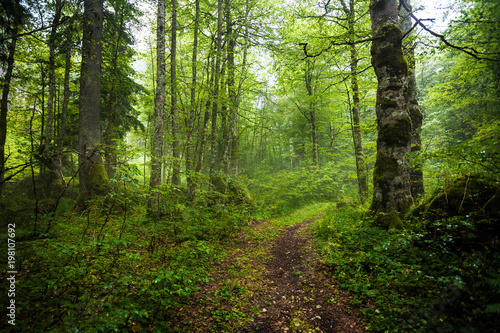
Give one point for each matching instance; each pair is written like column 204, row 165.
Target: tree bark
column 416, row 174
column 52, row 85
column 158, row 117
column 4, row 106
column 356, row 121
column 111, row 133
column 391, row 182
column 192, row 114
column 93, row 177
column 66, row 93
column 308, row 74
column 215, row 102
column 173, row 95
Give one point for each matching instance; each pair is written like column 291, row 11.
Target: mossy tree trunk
column 416, row 175
column 391, row 181
column 93, row 176
column 158, row 117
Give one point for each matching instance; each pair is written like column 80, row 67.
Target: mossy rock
column 469, row 195
column 471, row 199
column 388, row 221
column 233, row 191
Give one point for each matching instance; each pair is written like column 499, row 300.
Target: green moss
column 388, row 103
column 389, row 221
column 464, row 196
column 97, row 179
column 387, row 49
column 397, row 133
column 385, row 168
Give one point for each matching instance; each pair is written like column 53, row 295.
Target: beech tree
column 391, row 179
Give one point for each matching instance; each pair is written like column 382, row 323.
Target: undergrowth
column 436, row 276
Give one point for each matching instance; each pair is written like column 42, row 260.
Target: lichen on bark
column 391, row 181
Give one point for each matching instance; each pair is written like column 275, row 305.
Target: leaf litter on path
column 271, row 285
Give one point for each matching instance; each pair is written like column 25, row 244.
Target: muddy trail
column 300, row 296
column 275, row 286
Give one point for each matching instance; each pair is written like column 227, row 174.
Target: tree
column 119, row 89
column 93, row 176
column 215, row 89
column 158, row 117
column 416, row 174
column 355, row 107
column 391, row 181
column 173, row 98
column 12, row 15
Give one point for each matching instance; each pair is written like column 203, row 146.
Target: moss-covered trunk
column 391, row 180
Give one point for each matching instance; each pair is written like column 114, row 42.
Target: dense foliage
column 268, row 108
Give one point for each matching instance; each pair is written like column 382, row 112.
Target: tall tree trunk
column 110, row 134
column 215, row 105
column 391, row 182
column 158, row 117
column 206, row 118
column 356, row 121
column 231, row 92
column 233, row 169
column 416, row 174
column 66, row 93
column 4, row 106
column 173, row 94
column 55, row 166
column 52, row 84
column 192, row 114
column 308, row 74
column 93, row 177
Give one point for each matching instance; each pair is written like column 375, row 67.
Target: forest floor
column 271, row 281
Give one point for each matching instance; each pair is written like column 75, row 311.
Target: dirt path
column 300, row 297
column 281, row 288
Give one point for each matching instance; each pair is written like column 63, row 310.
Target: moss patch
column 387, row 50
column 396, row 133
column 389, row 221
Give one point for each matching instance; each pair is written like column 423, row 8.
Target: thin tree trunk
column 192, row 113
column 416, row 174
column 231, row 91
column 308, row 75
column 52, row 69
column 391, row 182
column 206, row 118
column 67, row 70
column 56, row 178
column 4, row 106
column 173, row 94
column 356, row 121
column 110, row 133
column 158, row 117
column 215, row 105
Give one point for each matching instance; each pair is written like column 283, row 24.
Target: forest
column 250, row 165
